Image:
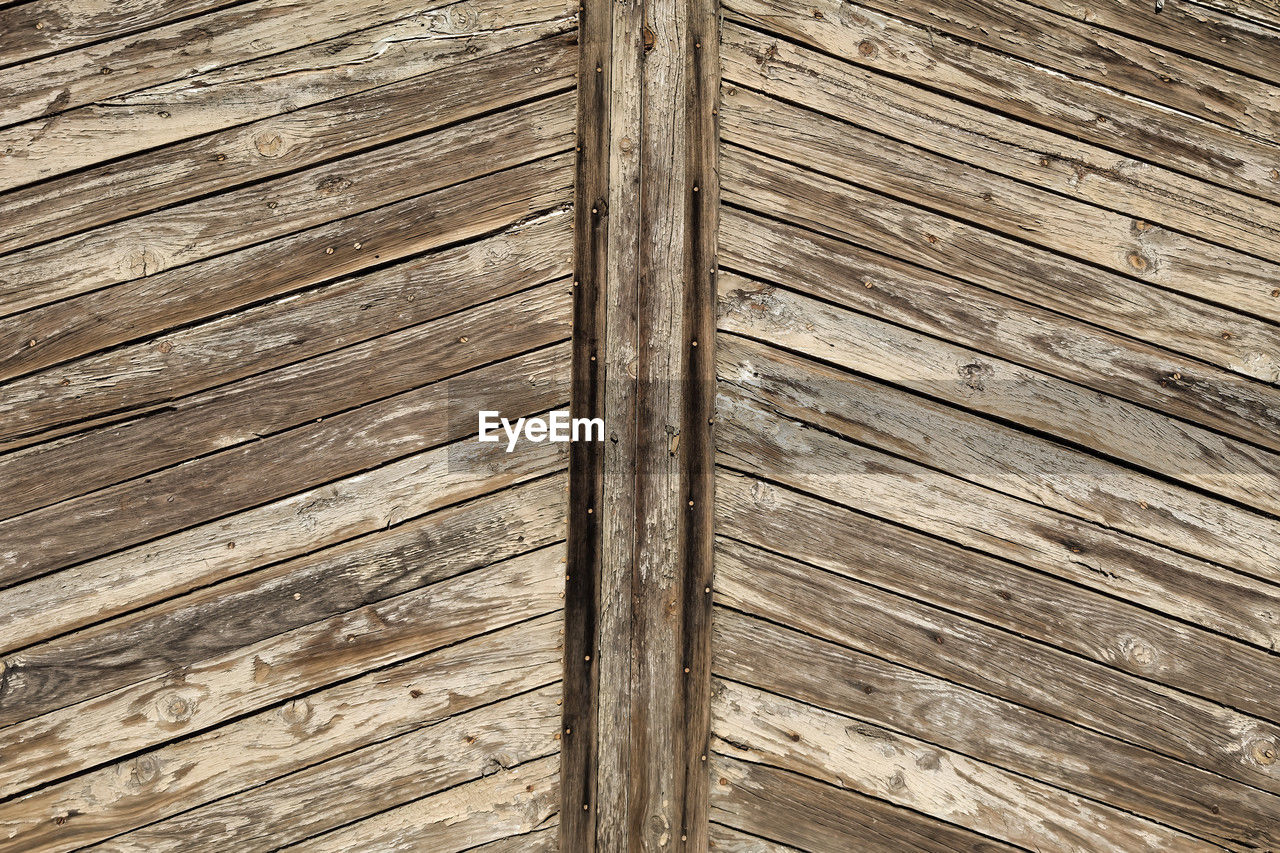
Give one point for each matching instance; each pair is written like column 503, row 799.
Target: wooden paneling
column 261, row 586
column 996, row 512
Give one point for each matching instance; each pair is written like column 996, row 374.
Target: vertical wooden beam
column 638, row 607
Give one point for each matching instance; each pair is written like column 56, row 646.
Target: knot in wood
column 269, row 144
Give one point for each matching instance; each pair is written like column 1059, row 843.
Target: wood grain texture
column 809, row 815
column 1144, row 644
column 332, row 513
column 1000, row 83
column 993, row 455
column 1039, row 677
column 469, row 746
column 1122, row 363
column 299, row 459
column 914, row 774
column 757, row 442
column 285, row 738
column 232, row 221
column 991, row 385
column 1160, row 258
column 224, row 158
column 312, row 345
column 213, row 691
column 48, row 681
column 1129, row 66
column 951, row 127
column 814, row 671
column 42, row 27
column 518, row 800
column 41, row 401
column 728, row 840
column 647, row 253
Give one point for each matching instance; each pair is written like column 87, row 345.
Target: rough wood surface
column 518, row 800
column 231, row 221
column 325, row 515
column 305, row 457
column 1120, row 243
column 728, row 840
column 311, row 346
column 212, row 691
column 1144, row 644
column 1000, row 83
column 1192, row 730
column 993, row 386
column 953, row 128
column 260, row 149
column 765, row 728
column 469, row 746
column 811, row 670
column 265, row 745
column 48, row 681
column 647, row 248
column 1012, row 462
column 811, row 815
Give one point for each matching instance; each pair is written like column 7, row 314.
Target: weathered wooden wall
column 260, row 265
column 998, row 502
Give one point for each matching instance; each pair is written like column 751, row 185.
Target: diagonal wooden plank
column 46, row 680
column 328, row 514
column 1158, row 257
column 270, row 743
column 469, row 746
column 1039, row 677
column 999, row 388
column 910, row 773
column 814, row 671
column 955, row 128
column 999, row 457
column 305, row 457
column 251, row 359
column 179, row 236
column 968, row 72
column 758, row 441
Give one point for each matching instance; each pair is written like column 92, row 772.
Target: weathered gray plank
column 511, row 801
column 953, row 128
column 764, row 728
column 308, row 344
column 464, row 747
column 177, row 633
column 1189, row 28
column 1059, row 43
column 35, row 29
column 1144, row 644
column 1007, row 460
column 1032, row 334
column 279, row 740
column 1037, row 745
column 658, row 241
column 208, row 693
column 408, row 46
column 476, row 81
column 229, row 222
column 756, row 440
column 966, row 71
column 1039, row 677
column 218, row 285
column 728, row 840
column 258, row 472
column 1163, row 258
column 994, row 386
column 138, row 576
column 817, row 817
